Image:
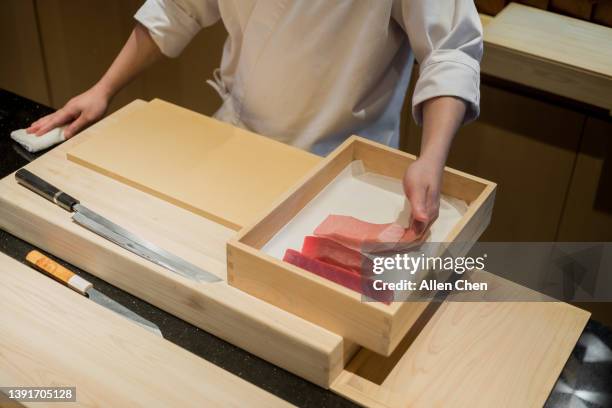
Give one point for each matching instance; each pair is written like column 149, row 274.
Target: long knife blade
column 125, row 239
column 118, row 308
column 111, row 231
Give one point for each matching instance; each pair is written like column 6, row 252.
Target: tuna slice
column 365, row 236
column 339, row 275
column 334, row 253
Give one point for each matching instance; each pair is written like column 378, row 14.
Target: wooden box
column 376, row 326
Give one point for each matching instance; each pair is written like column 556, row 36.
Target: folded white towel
column 33, row 143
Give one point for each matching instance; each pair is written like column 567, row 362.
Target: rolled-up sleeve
column 446, row 38
column 173, row 23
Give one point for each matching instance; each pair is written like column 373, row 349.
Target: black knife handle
column 44, row 189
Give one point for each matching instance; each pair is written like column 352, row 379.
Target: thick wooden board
column 471, row 354
column 552, row 36
column 279, row 337
column 373, row 325
column 51, row 336
column 554, row 53
column 211, row 168
column 252, row 324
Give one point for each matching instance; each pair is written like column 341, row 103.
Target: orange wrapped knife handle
column 57, row 271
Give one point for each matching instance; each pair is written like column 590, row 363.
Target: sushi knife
column 84, row 287
column 111, row 231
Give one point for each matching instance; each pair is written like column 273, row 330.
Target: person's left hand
column 422, row 182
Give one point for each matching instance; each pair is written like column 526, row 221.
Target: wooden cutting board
column 252, row 324
column 211, row 168
column 51, row 336
column 472, row 354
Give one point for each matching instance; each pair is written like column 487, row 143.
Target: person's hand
column 422, row 182
column 80, row 112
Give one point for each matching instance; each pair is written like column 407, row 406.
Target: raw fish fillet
column 341, row 276
column 365, row 236
column 329, row 251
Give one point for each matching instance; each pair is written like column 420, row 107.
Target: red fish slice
column 341, row 276
column 364, row 236
column 337, row 254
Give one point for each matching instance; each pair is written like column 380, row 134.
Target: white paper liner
column 367, row 196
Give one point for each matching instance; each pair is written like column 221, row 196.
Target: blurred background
column 544, row 134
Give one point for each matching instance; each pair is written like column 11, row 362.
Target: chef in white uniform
column 312, row 72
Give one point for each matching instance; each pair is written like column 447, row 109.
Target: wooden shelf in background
column 550, row 52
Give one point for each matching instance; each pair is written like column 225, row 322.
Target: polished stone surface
column 586, row 380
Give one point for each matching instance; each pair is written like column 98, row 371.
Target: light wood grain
column 373, row 325
column 554, row 37
column 211, row 168
column 485, row 19
column 554, row 53
column 471, row 354
column 252, row 324
column 277, row 336
column 54, row 337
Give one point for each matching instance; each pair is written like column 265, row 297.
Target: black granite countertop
column 586, row 380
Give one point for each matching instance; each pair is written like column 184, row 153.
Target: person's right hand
column 80, row 112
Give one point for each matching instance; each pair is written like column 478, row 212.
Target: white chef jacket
column 312, row 72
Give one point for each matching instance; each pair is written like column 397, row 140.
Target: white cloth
column 33, row 143
column 310, row 73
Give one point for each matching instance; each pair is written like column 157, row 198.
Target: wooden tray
column 52, row 336
column 283, row 339
column 374, row 325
